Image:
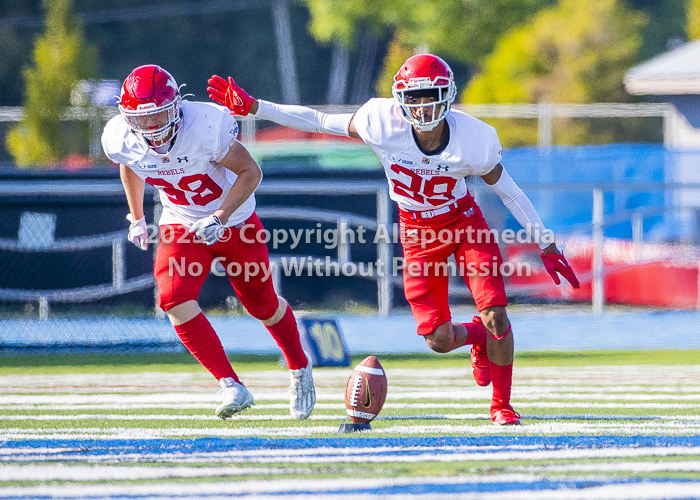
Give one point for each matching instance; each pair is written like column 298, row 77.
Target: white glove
column 210, row 229
column 138, row 232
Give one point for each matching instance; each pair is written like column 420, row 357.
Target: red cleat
column 480, row 362
column 505, row 416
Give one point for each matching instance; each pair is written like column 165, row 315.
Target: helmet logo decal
column 171, row 83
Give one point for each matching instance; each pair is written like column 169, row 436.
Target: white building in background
column 674, row 76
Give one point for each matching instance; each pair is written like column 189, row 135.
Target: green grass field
column 109, row 426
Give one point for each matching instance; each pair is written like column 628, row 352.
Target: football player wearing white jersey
column 206, row 180
column 427, row 149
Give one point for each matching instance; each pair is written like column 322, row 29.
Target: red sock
column 202, row 341
column 286, row 335
column 502, row 379
column 476, row 333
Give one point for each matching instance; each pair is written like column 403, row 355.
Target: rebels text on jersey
column 189, row 180
column 417, row 181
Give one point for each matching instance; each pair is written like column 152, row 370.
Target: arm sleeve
column 522, row 209
column 304, row 118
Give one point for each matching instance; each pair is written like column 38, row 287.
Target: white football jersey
column 189, row 180
column 418, row 181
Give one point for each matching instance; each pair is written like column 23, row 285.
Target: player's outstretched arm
column 230, row 94
column 517, row 202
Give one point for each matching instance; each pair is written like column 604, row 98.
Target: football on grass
column 365, row 391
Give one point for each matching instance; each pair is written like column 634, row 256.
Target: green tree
column 61, row 58
column 693, row 23
column 575, row 52
column 462, row 30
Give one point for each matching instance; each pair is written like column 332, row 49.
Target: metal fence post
column 343, row 244
column 544, row 125
column 44, row 308
column 118, row 264
column 385, row 290
column 598, row 292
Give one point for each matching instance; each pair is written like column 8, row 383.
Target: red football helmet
column 421, row 73
column 150, row 103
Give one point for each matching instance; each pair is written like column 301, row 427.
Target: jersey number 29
column 204, row 188
column 435, row 191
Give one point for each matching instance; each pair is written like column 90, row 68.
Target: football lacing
column 356, row 385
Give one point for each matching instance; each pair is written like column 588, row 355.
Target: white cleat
column 236, row 398
column 303, row 391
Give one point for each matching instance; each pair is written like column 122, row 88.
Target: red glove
column 230, row 95
column 556, row 263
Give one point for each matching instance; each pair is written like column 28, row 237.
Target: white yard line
column 8, row 401
column 317, row 416
column 69, row 406
column 638, row 467
column 545, row 428
column 389, row 455
column 343, row 489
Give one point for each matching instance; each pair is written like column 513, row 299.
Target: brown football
column 365, row 391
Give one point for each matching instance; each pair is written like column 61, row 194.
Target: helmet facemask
column 430, row 114
column 157, row 135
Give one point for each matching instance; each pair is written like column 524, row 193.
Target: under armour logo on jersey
column 443, row 168
column 181, row 159
column 411, row 232
column 469, row 212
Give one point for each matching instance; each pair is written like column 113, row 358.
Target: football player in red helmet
column 426, row 149
column 425, row 89
column 206, row 180
column 150, row 104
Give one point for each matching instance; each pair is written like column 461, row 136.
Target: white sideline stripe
column 302, row 489
column 394, row 393
column 317, row 416
column 385, row 455
column 339, row 406
column 170, row 491
column 622, row 375
column 213, row 418
column 545, row 428
column 125, row 473
column 407, row 393
column 369, row 369
column 639, row 467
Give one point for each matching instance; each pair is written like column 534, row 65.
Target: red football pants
column 182, row 265
column 427, row 244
